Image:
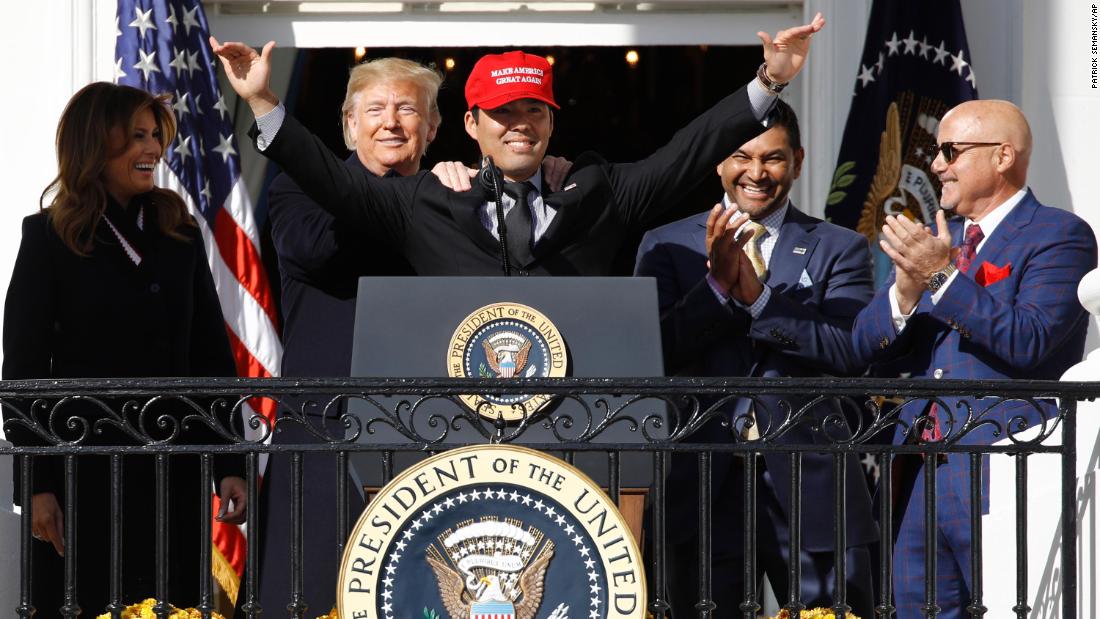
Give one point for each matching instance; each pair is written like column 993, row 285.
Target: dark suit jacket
column 68, row 316
column 820, row 277
column 439, row 230
column 320, row 263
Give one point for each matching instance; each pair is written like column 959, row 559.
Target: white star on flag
column 189, row 20
column 148, row 64
column 183, row 149
column 179, row 62
column 172, row 18
column 892, row 44
column 924, row 48
column 193, row 63
column 865, row 75
column 143, row 22
column 910, row 44
column 221, row 107
column 957, row 62
column 225, row 147
column 941, row 53
column 180, row 105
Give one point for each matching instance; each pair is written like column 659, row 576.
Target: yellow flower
column 144, row 610
column 814, row 613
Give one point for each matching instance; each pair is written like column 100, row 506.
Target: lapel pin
column 570, row 186
column 799, row 251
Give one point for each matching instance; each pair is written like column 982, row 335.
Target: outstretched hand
column 786, row 53
column 249, row 73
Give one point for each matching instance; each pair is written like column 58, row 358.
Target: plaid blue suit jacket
column 1026, row 325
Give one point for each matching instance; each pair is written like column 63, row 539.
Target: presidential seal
column 491, row 532
column 506, row 340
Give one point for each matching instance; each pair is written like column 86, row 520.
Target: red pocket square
column 990, row 274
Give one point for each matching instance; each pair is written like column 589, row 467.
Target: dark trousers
column 952, row 541
column 772, row 556
column 320, row 559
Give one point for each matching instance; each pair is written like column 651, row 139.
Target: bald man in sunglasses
column 990, row 294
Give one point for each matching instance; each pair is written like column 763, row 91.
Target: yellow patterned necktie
column 752, row 247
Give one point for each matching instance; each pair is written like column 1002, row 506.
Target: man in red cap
column 576, row 231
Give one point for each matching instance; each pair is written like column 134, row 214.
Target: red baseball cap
column 500, row 78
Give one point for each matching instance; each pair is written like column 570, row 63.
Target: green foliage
column 430, row 614
column 841, row 179
column 484, row 372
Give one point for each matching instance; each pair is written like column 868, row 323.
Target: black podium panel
column 404, row 326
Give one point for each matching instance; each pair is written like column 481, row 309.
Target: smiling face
column 130, row 171
column 514, row 134
column 391, row 125
column 758, row 176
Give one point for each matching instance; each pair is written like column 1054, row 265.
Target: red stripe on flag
column 227, row 537
column 248, row 366
column 243, row 259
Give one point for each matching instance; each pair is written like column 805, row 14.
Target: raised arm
column 376, row 208
column 645, row 189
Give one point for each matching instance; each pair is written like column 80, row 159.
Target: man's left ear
column 1006, row 157
column 432, row 131
column 799, row 155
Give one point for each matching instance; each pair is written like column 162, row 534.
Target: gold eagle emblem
column 885, row 181
column 513, row 571
column 506, row 353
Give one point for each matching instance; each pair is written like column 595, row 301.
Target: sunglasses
column 951, row 150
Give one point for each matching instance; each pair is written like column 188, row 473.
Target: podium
column 418, row 327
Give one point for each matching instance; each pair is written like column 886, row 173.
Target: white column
column 825, row 95
column 50, row 50
column 1062, row 103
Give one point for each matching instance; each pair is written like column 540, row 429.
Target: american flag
column 162, row 46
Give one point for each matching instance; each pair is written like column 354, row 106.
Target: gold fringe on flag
column 225, row 574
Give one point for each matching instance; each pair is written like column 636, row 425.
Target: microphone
column 489, row 177
column 492, row 181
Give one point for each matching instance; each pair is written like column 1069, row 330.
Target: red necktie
column 969, row 248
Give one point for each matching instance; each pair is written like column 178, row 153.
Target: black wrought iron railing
column 606, row 421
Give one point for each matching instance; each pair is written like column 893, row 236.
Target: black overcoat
column 102, row 316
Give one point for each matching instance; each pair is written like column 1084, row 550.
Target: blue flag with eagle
column 915, row 67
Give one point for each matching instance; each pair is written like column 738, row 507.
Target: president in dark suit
column 389, row 117
column 989, row 295
column 777, row 300
column 576, row 231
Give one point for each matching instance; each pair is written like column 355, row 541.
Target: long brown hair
column 83, row 150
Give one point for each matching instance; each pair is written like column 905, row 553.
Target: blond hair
column 391, row 69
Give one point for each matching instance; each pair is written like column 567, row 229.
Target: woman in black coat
column 112, row 280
